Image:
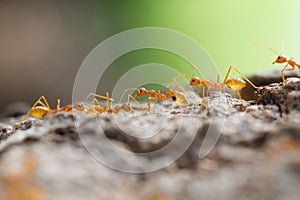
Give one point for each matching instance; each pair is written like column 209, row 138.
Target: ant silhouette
column 282, row 59
column 235, row 84
column 41, row 108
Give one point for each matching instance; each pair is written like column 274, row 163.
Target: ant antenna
column 282, row 46
column 184, row 74
column 97, row 95
column 95, row 100
column 266, row 47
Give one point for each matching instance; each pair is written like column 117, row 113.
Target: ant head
column 141, row 91
column 79, row 106
column 195, row 81
column 280, row 59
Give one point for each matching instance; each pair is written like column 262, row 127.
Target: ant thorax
column 211, row 84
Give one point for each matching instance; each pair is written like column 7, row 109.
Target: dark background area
column 43, row 44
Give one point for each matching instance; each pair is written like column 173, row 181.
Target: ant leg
column 282, row 72
column 126, row 90
column 227, row 75
column 148, row 104
column 90, row 108
column 285, row 69
column 97, row 95
column 43, row 104
column 58, row 105
column 98, row 104
column 183, row 89
column 93, row 108
column 238, row 94
column 46, row 102
column 242, row 75
column 39, row 101
column 155, row 101
column 181, row 74
column 180, row 87
column 198, row 90
column 207, row 91
column 108, row 102
column 58, row 109
column 130, row 97
column 102, row 97
column 134, row 99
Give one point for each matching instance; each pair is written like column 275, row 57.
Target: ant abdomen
column 39, row 112
column 235, row 84
column 180, row 99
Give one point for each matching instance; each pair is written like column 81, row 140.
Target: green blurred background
column 43, row 43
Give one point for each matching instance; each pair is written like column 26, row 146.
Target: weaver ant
column 177, row 97
column 98, row 108
column 283, row 59
column 235, row 84
column 41, row 108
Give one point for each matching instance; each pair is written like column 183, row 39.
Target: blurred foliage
column 226, row 29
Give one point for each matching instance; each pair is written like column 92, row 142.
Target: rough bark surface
column 257, row 155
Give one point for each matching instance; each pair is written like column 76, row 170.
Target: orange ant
column 283, row 59
column 98, row 108
column 177, row 97
column 41, row 108
column 235, row 84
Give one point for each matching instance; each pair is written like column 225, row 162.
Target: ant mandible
column 41, row 108
column 282, row 59
column 235, row 84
